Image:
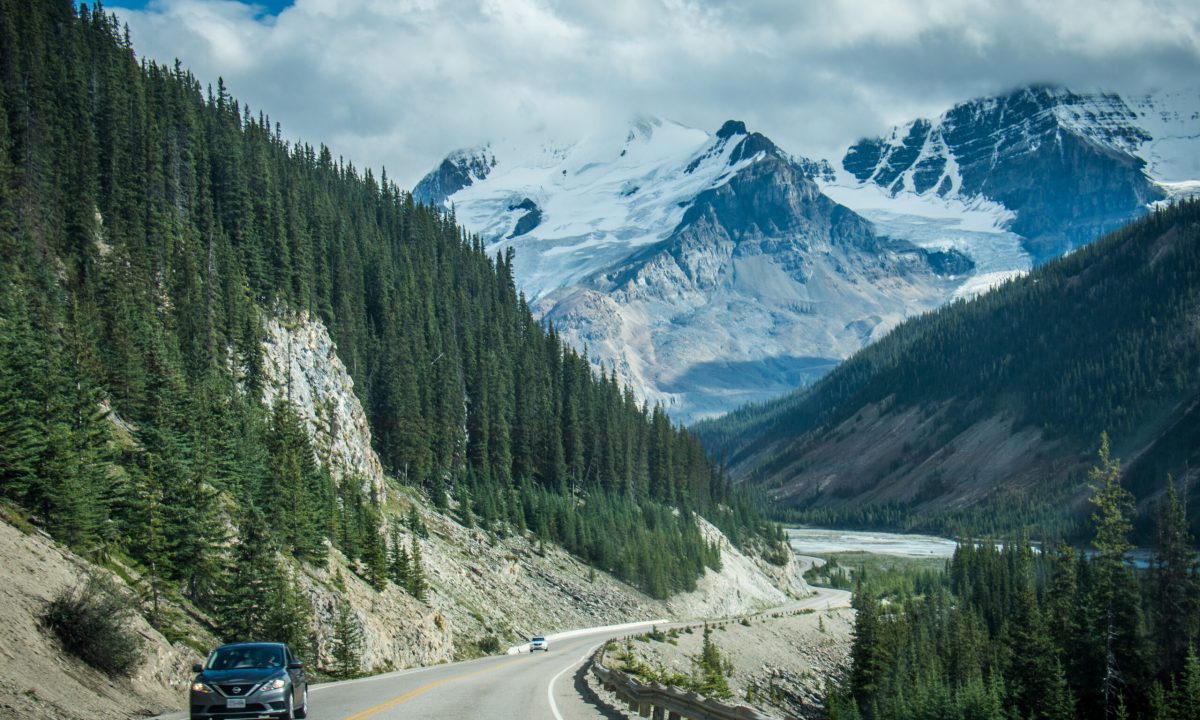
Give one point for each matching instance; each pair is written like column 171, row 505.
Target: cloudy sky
column 399, row 83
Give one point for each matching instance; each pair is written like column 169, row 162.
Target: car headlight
column 200, row 687
column 272, row 685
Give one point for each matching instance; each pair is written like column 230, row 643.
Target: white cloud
column 401, row 82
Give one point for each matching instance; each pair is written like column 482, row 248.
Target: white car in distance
column 539, row 643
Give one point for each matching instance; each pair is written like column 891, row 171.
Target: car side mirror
column 295, row 665
column 197, row 667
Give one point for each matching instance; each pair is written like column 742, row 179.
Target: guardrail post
column 644, row 709
column 658, row 714
column 673, row 716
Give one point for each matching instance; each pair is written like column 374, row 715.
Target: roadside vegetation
column 92, row 622
column 710, row 671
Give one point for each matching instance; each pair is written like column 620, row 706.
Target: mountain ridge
column 997, row 402
column 640, row 238
column 1071, row 166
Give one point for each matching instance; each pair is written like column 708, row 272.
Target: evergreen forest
column 1043, row 633
column 150, row 224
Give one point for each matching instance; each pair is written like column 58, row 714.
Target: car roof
column 252, row 644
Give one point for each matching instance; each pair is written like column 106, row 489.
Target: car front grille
column 237, row 689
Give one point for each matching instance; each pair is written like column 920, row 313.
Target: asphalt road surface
column 542, row 685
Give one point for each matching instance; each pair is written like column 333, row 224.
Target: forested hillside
column 148, row 226
column 989, row 406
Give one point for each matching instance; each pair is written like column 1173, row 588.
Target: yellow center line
column 372, row 711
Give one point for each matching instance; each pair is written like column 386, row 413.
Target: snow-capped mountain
column 1057, row 168
column 713, row 270
column 709, row 270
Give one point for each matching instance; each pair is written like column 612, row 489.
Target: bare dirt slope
column 38, row 679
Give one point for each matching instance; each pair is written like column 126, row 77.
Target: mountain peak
column 731, row 128
column 458, row 170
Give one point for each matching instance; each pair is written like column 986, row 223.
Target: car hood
column 239, row 675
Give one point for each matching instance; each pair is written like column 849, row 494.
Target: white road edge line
column 550, row 687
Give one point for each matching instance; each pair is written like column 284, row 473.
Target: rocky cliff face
column 1070, row 166
column 302, row 367
column 456, row 172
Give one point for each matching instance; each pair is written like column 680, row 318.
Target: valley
column 902, row 427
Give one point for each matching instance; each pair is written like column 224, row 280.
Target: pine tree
column 868, row 655
column 398, row 568
column 1184, row 698
column 22, row 425
column 415, row 523
column 347, row 643
column 417, row 585
column 712, row 682
column 1115, row 595
column 260, row 600
column 1034, row 677
column 289, row 492
column 1174, row 599
column 76, row 461
column 151, row 529
column 374, row 555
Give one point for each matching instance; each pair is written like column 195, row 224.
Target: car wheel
column 287, row 713
column 302, row 711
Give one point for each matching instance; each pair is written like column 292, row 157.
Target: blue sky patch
column 266, row 7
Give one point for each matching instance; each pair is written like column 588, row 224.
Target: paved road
column 542, row 685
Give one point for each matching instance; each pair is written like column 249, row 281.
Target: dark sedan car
column 250, row 680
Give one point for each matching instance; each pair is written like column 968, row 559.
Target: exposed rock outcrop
column 302, row 366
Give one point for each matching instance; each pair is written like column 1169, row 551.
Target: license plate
column 236, row 703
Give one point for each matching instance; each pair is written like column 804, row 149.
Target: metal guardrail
column 661, row 702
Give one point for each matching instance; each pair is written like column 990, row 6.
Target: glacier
column 708, row 270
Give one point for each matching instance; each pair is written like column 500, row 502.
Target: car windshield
column 539, row 639
column 246, row 656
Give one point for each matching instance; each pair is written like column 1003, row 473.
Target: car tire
column 302, row 711
column 287, row 713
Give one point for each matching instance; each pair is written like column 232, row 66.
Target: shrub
column 489, row 645
column 92, row 622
